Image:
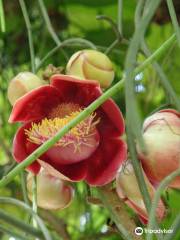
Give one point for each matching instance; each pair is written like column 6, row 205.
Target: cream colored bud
column 22, row 84
column 91, row 65
column 161, row 133
column 52, row 192
column 128, row 189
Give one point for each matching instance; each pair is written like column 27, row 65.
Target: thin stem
column 163, row 78
column 132, row 117
column 118, row 210
column 174, row 19
column 19, row 224
column 93, row 106
column 110, row 48
column 112, row 23
column 30, row 39
column 119, row 37
column 34, row 193
column 158, row 53
column 49, row 25
column 2, row 18
column 63, row 44
column 120, row 17
column 24, row 188
column 18, row 203
column 138, row 12
column 175, row 228
column 12, row 234
column 57, row 224
column 159, row 190
column 34, row 199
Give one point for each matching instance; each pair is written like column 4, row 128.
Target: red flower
column 91, row 151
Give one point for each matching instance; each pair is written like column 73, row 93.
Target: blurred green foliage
column 77, row 18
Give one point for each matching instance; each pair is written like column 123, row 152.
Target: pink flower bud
column 161, row 133
column 52, row 192
column 92, row 65
column 128, row 189
column 21, row 84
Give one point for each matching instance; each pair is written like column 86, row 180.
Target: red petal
column 112, row 122
column 170, row 110
column 85, row 92
column 82, row 92
column 75, row 172
column 105, row 162
column 22, row 148
column 35, row 104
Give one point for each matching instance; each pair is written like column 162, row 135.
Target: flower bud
column 91, row 65
column 52, row 192
column 161, row 133
column 21, row 84
column 127, row 188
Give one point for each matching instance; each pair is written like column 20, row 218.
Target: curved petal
column 105, row 162
column 85, row 92
column 170, row 110
column 22, row 148
column 35, row 104
column 160, row 210
column 52, row 171
column 74, row 172
column 80, row 91
column 112, row 122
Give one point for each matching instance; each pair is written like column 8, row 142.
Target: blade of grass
column 133, row 122
column 49, row 26
column 19, row 224
column 120, row 17
column 30, row 38
column 44, row 230
column 9, row 232
column 2, row 18
column 174, row 19
column 163, row 78
column 24, row 188
column 162, row 186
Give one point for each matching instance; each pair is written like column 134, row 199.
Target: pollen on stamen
column 80, row 135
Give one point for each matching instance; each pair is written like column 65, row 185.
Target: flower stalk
column 50, row 27
column 162, row 186
column 20, row 225
column 132, row 117
column 118, row 212
column 30, row 38
column 44, row 230
column 2, row 18
column 174, row 19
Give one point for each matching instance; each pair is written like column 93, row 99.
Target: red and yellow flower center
column 78, row 144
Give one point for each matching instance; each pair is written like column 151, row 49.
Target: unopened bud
column 161, row 133
column 52, row 192
column 91, row 65
column 22, row 84
column 128, row 189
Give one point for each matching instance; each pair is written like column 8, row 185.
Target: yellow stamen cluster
column 47, row 128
